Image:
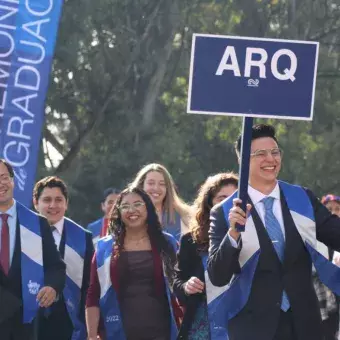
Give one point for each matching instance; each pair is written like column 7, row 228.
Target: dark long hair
column 154, row 229
column 200, row 223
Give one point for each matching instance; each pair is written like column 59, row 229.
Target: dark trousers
column 57, row 326
column 330, row 326
column 285, row 330
column 14, row 329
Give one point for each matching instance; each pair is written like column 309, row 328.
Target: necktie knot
column 4, row 217
column 268, row 203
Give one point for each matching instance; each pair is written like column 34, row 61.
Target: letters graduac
column 229, row 63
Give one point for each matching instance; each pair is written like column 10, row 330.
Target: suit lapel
column 3, row 277
column 62, row 243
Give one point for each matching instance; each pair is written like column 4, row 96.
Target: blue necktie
column 275, row 233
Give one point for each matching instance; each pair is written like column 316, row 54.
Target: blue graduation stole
column 32, row 271
column 215, row 310
column 109, row 305
column 226, row 302
column 75, row 248
column 172, row 228
column 95, row 228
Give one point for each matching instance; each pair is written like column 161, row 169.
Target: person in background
column 332, row 203
column 329, row 303
column 66, row 318
column 32, row 272
column 99, row 227
column 157, row 182
column 189, row 283
column 131, row 275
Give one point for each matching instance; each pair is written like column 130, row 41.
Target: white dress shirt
column 256, row 196
column 58, row 232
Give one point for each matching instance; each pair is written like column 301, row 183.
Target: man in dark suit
column 269, row 266
column 66, row 318
column 32, row 272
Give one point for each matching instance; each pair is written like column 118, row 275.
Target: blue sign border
column 192, row 61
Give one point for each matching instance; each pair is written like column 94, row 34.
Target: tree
column 118, row 93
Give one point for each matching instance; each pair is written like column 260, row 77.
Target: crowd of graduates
column 149, row 268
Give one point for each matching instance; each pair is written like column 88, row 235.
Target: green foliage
column 118, row 94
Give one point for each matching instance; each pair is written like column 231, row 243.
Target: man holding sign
column 269, row 265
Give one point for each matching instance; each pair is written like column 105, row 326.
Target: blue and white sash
column 303, row 216
column 216, row 310
column 32, row 271
column 75, row 249
column 226, row 302
column 109, row 305
column 172, row 228
column 95, row 228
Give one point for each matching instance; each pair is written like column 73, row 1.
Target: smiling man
column 31, row 272
column 269, row 265
column 66, row 319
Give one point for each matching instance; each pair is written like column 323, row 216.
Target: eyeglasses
column 263, row 153
column 133, row 206
column 5, row 178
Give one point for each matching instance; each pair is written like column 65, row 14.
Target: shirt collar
column 256, row 196
column 12, row 211
column 60, row 226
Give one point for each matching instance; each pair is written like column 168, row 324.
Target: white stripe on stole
column 307, row 229
column 31, row 245
column 104, row 277
column 250, row 245
column 74, row 265
column 95, row 240
column 250, row 242
column 212, row 291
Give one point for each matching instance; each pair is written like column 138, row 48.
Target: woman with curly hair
column 129, row 287
column 157, row 182
column 189, row 283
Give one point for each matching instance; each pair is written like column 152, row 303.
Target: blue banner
column 252, row 77
column 28, row 30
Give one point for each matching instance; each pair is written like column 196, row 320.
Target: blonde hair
column 172, row 202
